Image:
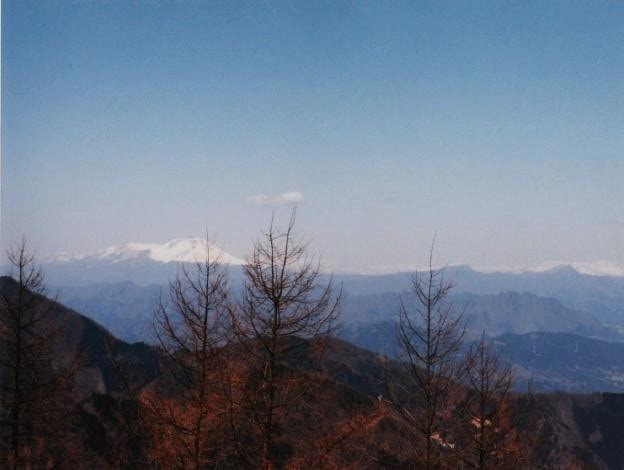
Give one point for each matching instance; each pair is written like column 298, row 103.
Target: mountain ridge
column 176, row 250
column 191, row 249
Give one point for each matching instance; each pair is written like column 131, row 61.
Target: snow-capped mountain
column 596, row 268
column 179, row 250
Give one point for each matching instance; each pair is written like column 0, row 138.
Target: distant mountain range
column 595, row 268
column 496, row 314
column 189, row 250
column 577, row 286
column 178, row 250
column 119, row 285
column 126, row 309
column 600, row 296
column 539, row 335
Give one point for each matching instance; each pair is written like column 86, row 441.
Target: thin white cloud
column 289, row 197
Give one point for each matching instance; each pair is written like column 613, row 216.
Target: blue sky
column 495, row 126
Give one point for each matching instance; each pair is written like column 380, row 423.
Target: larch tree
column 491, row 438
column 36, row 374
column 430, row 336
column 190, row 325
column 286, row 310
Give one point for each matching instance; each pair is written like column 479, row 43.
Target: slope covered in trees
column 351, row 424
column 255, row 378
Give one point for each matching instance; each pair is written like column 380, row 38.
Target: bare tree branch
column 283, row 308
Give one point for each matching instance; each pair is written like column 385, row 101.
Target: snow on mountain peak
column 596, row 268
column 178, row 250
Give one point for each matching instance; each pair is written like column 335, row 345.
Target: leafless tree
column 490, row 435
column 285, row 310
column 35, row 373
column 430, row 337
column 191, row 328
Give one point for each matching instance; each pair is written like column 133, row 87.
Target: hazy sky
column 498, row 126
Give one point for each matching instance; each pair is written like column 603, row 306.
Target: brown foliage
column 490, row 437
column 189, row 415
